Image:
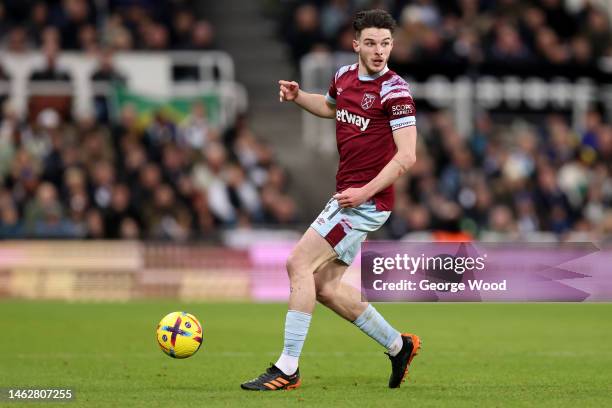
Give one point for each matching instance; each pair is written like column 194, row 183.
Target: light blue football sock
column 374, row 325
column 296, row 328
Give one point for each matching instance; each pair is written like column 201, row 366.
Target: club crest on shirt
column 367, row 101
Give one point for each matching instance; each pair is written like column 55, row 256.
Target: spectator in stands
column 75, row 15
column 88, row 39
column 39, row 19
column 242, row 193
column 550, row 49
column 44, row 216
column 10, row 127
column 130, row 229
column 195, row 131
column 202, row 36
column 17, row 41
column 37, row 140
column 135, row 160
column 558, row 18
column 334, row 15
column 102, row 182
column 597, row 30
column 11, row 225
column 508, row 47
column 174, row 163
column 305, row 33
column 105, row 75
column 501, row 226
column 118, row 37
column 119, row 211
column 160, row 132
column 94, row 225
column 155, row 36
column 51, row 71
column 149, row 179
column 278, row 208
column 183, row 23
column 166, row 218
column 527, row 220
column 74, row 194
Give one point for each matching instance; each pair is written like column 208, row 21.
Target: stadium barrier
column 126, row 270
column 148, row 73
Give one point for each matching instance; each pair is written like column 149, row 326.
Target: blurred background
column 144, row 153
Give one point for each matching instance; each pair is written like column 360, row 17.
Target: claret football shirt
column 368, row 109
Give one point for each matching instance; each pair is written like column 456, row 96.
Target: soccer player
column 376, row 137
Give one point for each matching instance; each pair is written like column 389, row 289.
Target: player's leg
column 340, row 297
column 346, row 300
column 310, row 252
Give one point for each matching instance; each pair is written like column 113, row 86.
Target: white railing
column 147, row 73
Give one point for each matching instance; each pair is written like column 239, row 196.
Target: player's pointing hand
column 288, row 90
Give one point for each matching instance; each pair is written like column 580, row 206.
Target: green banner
column 176, row 109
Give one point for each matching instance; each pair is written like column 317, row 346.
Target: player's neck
column 366, row 75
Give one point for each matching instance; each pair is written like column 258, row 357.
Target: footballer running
column 376, row 137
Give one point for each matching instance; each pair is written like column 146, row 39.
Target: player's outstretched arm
column 405, row 140
column 313, row 103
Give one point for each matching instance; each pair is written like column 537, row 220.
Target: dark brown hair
column 376, row 18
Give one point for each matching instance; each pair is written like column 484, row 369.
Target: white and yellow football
column 179, row 334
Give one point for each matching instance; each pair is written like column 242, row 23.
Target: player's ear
column 356, row 45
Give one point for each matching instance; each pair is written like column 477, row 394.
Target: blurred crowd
column 510, row 182
column 121, row 25
column 168, row 180
column 465, row 37
column 94, row 178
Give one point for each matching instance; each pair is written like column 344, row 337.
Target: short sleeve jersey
column 368, row 109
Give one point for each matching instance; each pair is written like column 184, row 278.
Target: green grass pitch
column 491, row 355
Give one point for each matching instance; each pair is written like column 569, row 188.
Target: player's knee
column 325, row 293
column 296, row 266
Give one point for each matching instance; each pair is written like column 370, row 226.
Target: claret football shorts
column 346, row 228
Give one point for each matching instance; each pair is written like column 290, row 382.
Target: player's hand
column 288, row 90
column 351, row 197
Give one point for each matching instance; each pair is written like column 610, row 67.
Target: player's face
column 373, row 46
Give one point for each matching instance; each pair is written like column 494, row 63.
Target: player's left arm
column 405, row 140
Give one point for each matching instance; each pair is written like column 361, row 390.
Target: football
column 179, row 334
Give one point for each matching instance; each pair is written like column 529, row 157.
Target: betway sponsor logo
column 345, row 116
